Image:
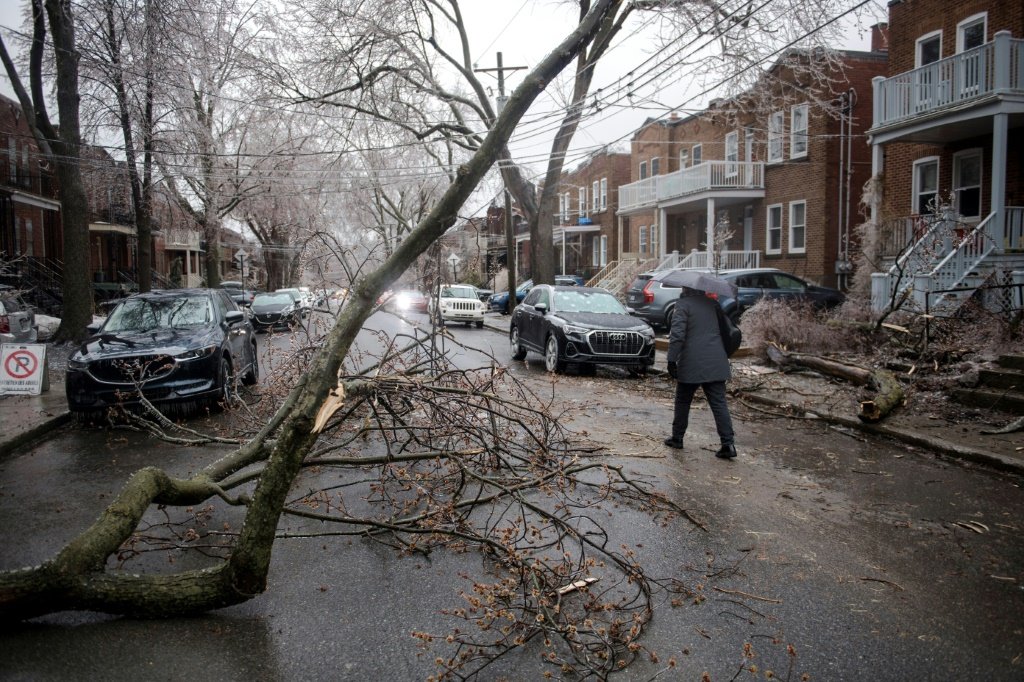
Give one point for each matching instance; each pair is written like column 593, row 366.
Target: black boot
column 676, row 443
column 726, row 451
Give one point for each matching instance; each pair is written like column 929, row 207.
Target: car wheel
column 480, row 324
column 638, row 372
column 518, row 352
column 252, row 376
column 668, row 317
column 226, row 384
column 552, row 360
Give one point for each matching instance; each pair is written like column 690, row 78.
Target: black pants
column 714, row 391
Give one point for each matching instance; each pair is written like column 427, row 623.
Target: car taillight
column 648, row 295
column 5, row 324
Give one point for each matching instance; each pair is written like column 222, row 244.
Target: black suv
column 583, row 325
column 648, row 299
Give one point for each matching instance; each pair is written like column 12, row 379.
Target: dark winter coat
column 694, row 342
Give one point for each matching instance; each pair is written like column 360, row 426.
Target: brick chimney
column 880, row 37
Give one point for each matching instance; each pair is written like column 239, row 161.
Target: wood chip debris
column 573, row 586
column 976, row 526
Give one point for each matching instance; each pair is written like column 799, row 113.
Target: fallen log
column 888, row 394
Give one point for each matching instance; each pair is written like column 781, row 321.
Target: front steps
column 999, row 388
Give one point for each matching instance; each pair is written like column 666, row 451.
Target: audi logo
column 617, row 336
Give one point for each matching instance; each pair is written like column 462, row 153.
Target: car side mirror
column 630, row 311
column 93, row 328
column 541, row 307
column 234, row 317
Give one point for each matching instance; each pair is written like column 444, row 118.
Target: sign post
column 454, row 260
column 22, row 368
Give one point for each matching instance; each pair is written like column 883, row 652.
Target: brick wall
column 614, row 167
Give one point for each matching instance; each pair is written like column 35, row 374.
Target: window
column 970, row 33
column 595, row 251
column 655, row 235
column 29, row 240
column 732, row 153
column 561, row 207
column 643, row 170
column 798, row 132
column 12, row 156
column 566, row 211
column 798, row 227
column 604, row 250
column 967, row 183
column 604, row 193
column 748, row 144
column 775, row 123
column 643, row 239
column 696, row 155
column 684, row 158
column 600, row 251
column 583, row 202
column 595, row 197
column 655, row 166
column 773, row 243
column 926, row 185
column 928, row 49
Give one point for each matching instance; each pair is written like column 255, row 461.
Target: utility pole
column 510, row 236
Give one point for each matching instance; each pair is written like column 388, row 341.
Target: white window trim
column 655, row 161
column 974, row 151
column 768, row 229
column 973, row 19
column 643, row 170
column 732, row 165
column 791, row 248
column 595, row 248
column 604, row 193
column 568, row 209
column 794, row 133
column 922, row 39
column 914, row 194
column 748, row 144
column 582, row 204
column 776, row 135
column 642, row 240
column 604, row 250
column 696, row 152
column 684, row 159
column 595, row 198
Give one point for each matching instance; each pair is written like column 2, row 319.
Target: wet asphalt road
column 873, row 561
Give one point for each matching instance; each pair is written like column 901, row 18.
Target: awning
column 110, row 227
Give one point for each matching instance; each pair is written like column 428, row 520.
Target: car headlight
column 196, row 353
column 76, row 363
column 573, row 329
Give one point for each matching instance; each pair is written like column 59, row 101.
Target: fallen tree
column 887, row 391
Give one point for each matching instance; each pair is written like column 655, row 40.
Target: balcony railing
column 995, row 68
column 710, row 175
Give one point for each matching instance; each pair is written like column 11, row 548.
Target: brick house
column 29, row 199
column 770, row 178
column 946, row 136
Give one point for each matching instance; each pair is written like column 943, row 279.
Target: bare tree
column 62, row 145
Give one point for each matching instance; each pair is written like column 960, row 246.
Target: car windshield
column 457, row 292
column 272, row 299
column 143, row 314
column 587, row 302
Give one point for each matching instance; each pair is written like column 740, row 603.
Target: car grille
column 615, row 342
column 268, row 318
column 132, row 370
column 466, row 306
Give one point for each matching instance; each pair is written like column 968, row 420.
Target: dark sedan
column 654, row 302
column 275, row 310
column 499, row 302
column 582, row 325
column 182, row 349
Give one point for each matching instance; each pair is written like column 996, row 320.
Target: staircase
column 999, row 388
column 617, row 279
column 43, row 281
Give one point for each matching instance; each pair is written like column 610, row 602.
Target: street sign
column 454, row 260
column 22, row 368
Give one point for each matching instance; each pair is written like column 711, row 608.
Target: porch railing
column 723, row 260
column 993, row 68
column 709, row 175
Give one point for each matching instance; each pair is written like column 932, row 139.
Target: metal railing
column 993, row 68
column 723, row 260
column 709, row 175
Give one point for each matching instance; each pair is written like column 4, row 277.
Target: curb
column 36, row 433
column 942, row 447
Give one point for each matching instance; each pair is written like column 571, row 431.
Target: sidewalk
column 24, row 418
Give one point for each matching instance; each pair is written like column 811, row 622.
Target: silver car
column 17, row 319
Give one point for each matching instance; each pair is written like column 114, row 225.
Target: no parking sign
column 22, row 368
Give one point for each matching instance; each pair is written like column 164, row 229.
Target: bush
column 796, row 328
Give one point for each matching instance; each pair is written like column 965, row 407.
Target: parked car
column 410, row 301
column 17, row 318
column 303, row 299
column 279, row 309
column 231, row 284
column 483, row 294
column 650, row 300
column 583, row 325
column 242, row 297
column 569, row 280
column 457, row 303
column 182, row 349
column 499, row 301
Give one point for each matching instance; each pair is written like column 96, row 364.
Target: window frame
column 595, row 198
column 921, row 40
column 684, row 159
column 776, row 132
column 915, row 194
column 799, row 133
column 604, row 193
column 604, row 250
column 582, row 203
column 655, row 165
column 595, row 248
column 967, row 23
column 642, row 240
column 957, row 187
column 732, row 148
column 643, row 170
column 791, row 246
column 696, row 155
column 769, row 229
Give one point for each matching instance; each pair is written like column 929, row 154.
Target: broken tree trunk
column 888, row 394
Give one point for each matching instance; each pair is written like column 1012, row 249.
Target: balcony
column 711, row 176
column 965, row 82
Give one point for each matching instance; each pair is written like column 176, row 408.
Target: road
column 873, row 561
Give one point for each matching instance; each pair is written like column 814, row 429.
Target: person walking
column 697, row 359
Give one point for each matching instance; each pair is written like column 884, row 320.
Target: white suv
column 457, row 303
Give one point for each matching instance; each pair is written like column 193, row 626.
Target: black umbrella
column 696, row 279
